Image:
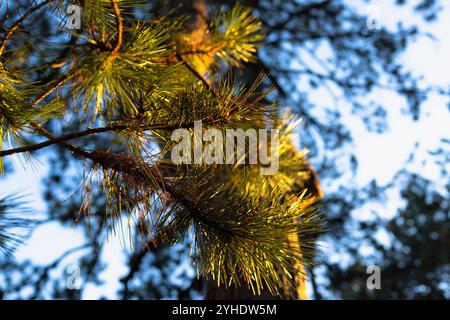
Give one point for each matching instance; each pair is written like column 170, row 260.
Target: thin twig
column 119, row 24
column 49, row 91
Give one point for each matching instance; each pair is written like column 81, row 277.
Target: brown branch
column 69, row 136
column 85, row 133
column 51, row 136
column 119, row 24
column 17, row 24
column 118, row 43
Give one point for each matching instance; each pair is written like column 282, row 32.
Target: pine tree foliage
column 236, row 35
column 15, row 117
column 142, row 79
column 12, row 222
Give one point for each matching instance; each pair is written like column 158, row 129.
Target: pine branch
column 88, row 132
column 236, row 239
column 69, row 136
column 72, row 148
column 253, row 231
column 235, row 105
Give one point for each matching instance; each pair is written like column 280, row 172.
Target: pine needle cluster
column 143, row 79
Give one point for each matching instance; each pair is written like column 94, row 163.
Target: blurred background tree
column 316, row 48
